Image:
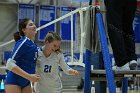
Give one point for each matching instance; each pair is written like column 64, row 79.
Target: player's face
column 30, row 29
column 54, row 45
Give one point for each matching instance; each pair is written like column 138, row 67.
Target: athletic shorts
column 14, row 79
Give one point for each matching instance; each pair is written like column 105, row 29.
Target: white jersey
column 48, row 68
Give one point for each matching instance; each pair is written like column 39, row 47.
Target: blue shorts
column 14, row 79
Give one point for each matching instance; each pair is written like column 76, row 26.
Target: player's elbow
column 10, row 64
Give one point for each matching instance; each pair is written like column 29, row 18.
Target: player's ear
column 46, row 42
column 23, row 30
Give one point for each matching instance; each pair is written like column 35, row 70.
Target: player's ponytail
column 17, row 36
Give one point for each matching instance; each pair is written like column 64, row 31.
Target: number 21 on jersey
column 47, row 68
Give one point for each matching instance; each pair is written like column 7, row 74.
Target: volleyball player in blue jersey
column 22, row 61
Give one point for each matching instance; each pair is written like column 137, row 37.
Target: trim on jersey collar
column 28, row 38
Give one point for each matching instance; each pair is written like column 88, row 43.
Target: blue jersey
column 25, row 54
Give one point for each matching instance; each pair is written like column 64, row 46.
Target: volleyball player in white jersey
column 50, row 58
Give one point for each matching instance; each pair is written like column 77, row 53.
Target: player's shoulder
column 25, row 41
column 59, row 55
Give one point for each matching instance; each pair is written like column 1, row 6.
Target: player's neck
column 46, row 51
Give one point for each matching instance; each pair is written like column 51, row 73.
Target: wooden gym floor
column 118, row 91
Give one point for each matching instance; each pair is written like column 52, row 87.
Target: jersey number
column 47, row 68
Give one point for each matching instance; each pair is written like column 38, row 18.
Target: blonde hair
column 52, row 36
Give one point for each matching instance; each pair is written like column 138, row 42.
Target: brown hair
column 17, row 36
column 23, row 25
column 52, row 36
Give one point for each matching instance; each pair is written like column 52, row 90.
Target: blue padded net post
column 105, row 51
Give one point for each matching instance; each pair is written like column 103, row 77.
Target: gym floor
column 117, row 92
column 81, row 91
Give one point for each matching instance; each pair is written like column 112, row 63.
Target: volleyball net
column 73, row 49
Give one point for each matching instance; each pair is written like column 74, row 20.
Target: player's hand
column 34, row 77
column 73, row 72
